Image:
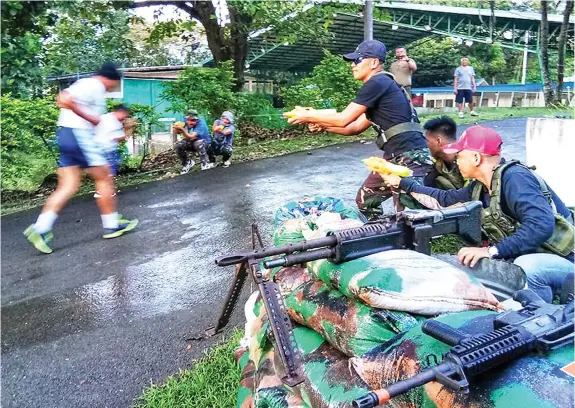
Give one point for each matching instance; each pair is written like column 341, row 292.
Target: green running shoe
column 123, row 226
column 40, row 241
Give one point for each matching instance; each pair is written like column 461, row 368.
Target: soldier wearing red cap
column 523, row 219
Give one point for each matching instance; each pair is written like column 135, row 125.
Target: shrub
column 29, row 152
column 330, row 85
column 207, row 90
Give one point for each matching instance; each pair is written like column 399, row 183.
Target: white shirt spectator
column 90, row 94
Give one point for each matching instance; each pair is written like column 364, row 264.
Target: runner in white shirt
column 82, row 106
column 109, row 133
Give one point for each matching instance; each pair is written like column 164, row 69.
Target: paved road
column 93, row 323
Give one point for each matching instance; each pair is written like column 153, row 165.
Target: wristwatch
column 493, row 252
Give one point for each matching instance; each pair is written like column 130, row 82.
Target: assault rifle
column 539, row 326
column 411, row 229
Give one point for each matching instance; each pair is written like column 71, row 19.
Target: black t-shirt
column 388, row 106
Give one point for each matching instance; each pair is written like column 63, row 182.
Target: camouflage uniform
column 447, row 179
column 374, row 191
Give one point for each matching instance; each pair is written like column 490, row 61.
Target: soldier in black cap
column 383, row 104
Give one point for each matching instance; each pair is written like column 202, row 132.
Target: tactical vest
column 497, row 225
column 413, row 126
column 448, row 179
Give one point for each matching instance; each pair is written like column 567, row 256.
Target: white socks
column 110, row 221
column 45, row 222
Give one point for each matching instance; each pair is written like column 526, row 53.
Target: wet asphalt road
column 92, row 324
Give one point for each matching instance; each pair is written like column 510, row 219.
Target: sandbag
column 290, row 278
column 530, row 381
column 315, row 206
column 311, row 227
column 347, row 324
column 407, row 281
column 328, row 380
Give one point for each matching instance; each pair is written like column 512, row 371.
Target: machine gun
column 411, row 229
column 539, row 326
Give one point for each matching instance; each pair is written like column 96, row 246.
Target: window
column 430, row 104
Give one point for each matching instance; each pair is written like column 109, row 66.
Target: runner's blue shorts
column 79, row 147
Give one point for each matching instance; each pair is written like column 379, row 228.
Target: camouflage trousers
column 374, row 191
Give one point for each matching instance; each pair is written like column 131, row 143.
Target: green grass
column 489, row 114
column 212, row 382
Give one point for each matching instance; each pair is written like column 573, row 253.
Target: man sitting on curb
column 224, row 130
column 523, row 218
column 196, row 139
column 445, row 173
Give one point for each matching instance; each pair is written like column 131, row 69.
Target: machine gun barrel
column 240, row 257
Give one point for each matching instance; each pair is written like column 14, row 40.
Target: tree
column 24, row 25
column 228, row 37
column 561, row 45
column 544, row 41
column 82, row 44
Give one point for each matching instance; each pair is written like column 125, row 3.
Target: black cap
column 109, row 70
column 368, row 49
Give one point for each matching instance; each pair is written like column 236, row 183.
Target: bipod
column 279, row 319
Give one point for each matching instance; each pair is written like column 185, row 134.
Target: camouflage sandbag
column 347, row 324
column 270, row 392
column 311, row 227
column 245, row 397
column 328, row 379
column 315, row 206
column 530, row 381
column 289, row 278
column 406, row 281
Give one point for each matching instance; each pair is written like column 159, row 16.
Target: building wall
column 487, row 100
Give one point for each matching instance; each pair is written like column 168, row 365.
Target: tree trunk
column 544, row 41
column 240, row 23
column 561, row 44
column 223, row 49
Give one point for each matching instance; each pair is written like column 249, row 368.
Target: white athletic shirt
column 90, row 94
column 109, row 129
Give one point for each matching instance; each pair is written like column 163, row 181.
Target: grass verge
column 211, row 383
column 278, row 147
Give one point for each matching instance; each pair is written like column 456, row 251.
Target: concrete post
column 368, row 20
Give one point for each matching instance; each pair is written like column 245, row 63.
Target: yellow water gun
column 219, row 128
column 293, row 112
column 382, row 166
column 181, row 124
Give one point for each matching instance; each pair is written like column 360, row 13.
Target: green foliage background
column 26, row 159
column 330, row 85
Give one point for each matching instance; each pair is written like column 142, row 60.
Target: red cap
column 479, row 139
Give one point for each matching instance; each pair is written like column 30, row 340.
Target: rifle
column 411, row 229
column 539, row 326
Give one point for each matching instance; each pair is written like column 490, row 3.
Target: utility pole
column 368, row 20
column 524, row 73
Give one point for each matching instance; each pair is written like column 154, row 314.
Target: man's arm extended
column 412, row 65
column 336, row 120
column 354, row 128
column 445, row 198
column 66, row 100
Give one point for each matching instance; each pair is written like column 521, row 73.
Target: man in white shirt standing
column 464, row 86
column 81, row 108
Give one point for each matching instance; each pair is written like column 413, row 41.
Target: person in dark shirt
column 196, row 139
column 523, row 218
column 384, row 105
column 445, row 173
